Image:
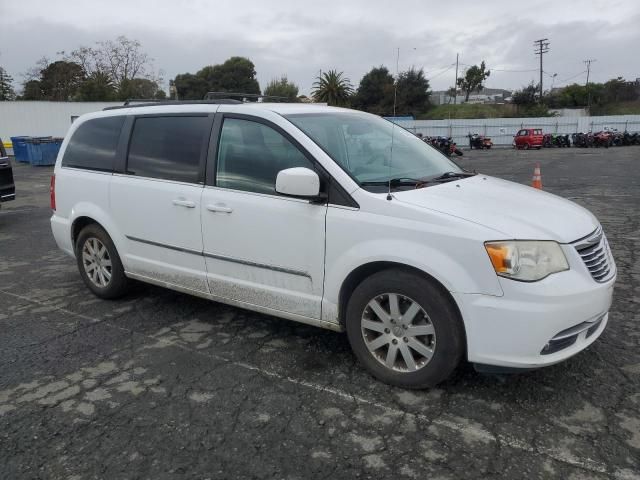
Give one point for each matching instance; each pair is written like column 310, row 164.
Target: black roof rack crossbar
column 217, row 95
column 135, row 103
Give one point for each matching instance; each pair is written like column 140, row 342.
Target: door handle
column 181, row 202
column 219, row 207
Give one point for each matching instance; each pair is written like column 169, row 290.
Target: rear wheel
column 404, row 329
column 99, row 263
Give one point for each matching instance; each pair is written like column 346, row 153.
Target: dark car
column 7, row 187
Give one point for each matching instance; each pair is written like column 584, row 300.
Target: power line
column 542, row 47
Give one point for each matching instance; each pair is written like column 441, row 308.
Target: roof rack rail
column 244, row 96
column 137, row 102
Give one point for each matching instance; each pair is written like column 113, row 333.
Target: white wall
column 42, row 118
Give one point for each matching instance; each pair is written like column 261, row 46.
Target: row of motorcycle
column 605, row 138
column 447, row 146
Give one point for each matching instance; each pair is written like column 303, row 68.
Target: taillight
column 52, row 192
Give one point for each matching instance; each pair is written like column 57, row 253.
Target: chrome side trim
column 250, row 263
column 164, row 245
column 225, row 258
column 336, row 327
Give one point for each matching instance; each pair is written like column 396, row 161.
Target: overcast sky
column 299, row 38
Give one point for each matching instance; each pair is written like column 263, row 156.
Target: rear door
column 7, row 187
column 262, row 249
column 155, row 200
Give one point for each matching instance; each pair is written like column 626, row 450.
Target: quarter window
column 93, row 145
column 251, row 154
column 168, row 148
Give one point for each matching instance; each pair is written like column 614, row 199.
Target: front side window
column 93, row 145
column 168, row 148
column 251, row 154
column 371, row 149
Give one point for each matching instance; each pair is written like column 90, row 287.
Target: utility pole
column 455, row 84
column 588, row 64
column 542, row 47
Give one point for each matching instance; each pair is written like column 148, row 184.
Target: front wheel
column 404, row 329
column 99, row 263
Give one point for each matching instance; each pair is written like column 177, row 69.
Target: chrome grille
column 595, row 253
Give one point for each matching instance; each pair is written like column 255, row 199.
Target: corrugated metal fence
column 502, row 130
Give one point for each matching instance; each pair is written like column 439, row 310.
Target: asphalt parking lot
column 164, row 385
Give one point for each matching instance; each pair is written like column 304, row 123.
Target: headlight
column 526, row 260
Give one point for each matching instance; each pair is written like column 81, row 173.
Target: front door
column 156, row 202
column 261, row 248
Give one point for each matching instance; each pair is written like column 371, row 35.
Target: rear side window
column 168, row 148
column 93, row 145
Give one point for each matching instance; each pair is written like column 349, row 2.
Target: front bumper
column 516, row 330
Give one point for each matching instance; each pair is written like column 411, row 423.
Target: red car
column 528, row 138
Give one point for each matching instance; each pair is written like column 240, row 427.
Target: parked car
column 528, row 138
column 7, row 186
column 306, row 213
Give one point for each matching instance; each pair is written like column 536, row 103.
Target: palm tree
column 331, row 87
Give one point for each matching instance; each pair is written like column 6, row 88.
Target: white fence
column 41, row 119
column 54, row 118
column 502, row 130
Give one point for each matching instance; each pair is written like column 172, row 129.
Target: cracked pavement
column 164, row 385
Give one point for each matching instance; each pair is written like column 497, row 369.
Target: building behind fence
column 502, row 130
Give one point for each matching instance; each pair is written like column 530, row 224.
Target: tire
column 458, row 152
column 94, row 248
column 433, row 361
column 526, row 146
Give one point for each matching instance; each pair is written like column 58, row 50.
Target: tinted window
column 251, row 154
column 167, row 147
column 93, row 145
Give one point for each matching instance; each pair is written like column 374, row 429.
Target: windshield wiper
column 451, row 176
column 394, row 182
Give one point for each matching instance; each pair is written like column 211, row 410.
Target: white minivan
column 334, row 218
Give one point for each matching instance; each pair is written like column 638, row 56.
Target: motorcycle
column 446, row 145
column 479, row 141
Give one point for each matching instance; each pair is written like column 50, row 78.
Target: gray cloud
column 300, row 38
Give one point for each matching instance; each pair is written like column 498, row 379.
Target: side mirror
column 298, row 182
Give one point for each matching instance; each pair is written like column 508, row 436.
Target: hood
column 514, row 210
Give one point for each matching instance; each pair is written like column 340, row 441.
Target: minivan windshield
column 362, row 144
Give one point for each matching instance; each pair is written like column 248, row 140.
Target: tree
column 526, row 96
column 140, row 88
column 32, row 90
column 97, row 88
column 61, row 80
column 6, row 86
column 333, row 88
column 473, row 79
column 282, row 87
column 237, row 75
column 412, row 92
column 121, row 59
column 375, row 92
column 190, row 86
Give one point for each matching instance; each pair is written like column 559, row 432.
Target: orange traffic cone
column 537, row 178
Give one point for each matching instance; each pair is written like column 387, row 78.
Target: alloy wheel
column 97, row 262
column 398, row 332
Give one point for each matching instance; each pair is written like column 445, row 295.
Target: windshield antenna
column 393, row 124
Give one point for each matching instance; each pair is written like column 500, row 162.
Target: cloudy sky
column 300, row 37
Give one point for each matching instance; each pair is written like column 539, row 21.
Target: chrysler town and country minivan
column 334, row 218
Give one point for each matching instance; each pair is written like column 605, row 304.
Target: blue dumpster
column 49, row 149
column 20, row 148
